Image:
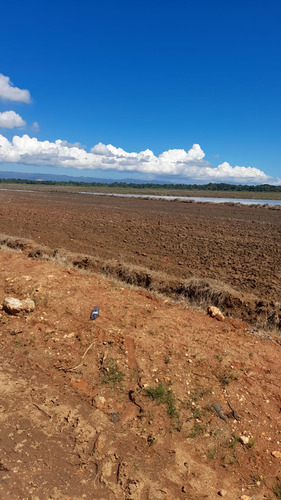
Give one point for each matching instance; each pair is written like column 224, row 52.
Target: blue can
column 95, row 313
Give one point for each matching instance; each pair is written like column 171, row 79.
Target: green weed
column 163, row 395
column 112, row 374
column 227, row 377
column 234, row 442
column 277, row 488
column 196, row 431
column 200, row 393
column 212, row 453
column 251, row 443
column 197, row 413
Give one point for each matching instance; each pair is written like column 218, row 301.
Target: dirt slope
column 121, row 407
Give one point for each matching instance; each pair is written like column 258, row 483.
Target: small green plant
column 112, row 374
column 196, row 431
column 163, row 395
column 226, row 378
column 200, row 392
column 234, row 442
column 257, row 479
column 277, row 488
column 204, row 392
column 212, row 453
column 197, row 413
column 234, row 459
column 251, row 443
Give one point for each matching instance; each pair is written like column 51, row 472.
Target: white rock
column 13, row 306
column 244, row 439
column 214, row 312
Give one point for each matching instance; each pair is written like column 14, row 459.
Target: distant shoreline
column 109, row 189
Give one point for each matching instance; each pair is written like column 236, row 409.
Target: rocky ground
column 150, row 401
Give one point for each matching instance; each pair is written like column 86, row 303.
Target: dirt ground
column 122, row 407
column 233, row 244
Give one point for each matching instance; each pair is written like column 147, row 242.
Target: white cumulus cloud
column 11, row 93
column 179, row 162
column 10, row 119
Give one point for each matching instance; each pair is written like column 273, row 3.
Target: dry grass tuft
column 196, row 292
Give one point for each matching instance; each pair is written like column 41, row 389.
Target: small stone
column 244, row 439
column 114, row 417
column 245, row 497
column 276, row 454
column 214, row 312
column 100, row 401
column 222, row 493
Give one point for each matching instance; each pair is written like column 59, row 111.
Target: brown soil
column 222, row 246
column 121, row 407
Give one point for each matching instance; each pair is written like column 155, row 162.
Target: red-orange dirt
column 121, row 407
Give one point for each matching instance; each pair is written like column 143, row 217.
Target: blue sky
column 132, row 76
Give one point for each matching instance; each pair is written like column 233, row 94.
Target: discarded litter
column 218, row 409
column 95, row 313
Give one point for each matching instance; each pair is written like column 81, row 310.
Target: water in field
column 245, row 201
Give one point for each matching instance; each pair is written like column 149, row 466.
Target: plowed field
column 233, row 244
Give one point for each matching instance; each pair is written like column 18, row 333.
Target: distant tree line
column 132, row 185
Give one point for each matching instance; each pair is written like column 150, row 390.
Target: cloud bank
column 11, row 93
column 174, row 162
column 10, row 119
